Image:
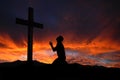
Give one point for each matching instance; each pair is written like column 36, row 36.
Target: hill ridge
column 38, row 70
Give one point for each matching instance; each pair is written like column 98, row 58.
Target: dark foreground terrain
column 19, row 70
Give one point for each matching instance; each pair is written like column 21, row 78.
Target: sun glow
column 11, row 51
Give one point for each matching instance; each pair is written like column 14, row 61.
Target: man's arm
column 51, row 44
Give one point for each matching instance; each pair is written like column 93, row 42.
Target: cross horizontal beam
column 25, row 22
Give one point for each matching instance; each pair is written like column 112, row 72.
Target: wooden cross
column 30, row 22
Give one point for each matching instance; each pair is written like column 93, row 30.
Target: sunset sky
column 91, row 30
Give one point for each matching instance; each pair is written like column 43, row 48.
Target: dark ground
column 19, row 70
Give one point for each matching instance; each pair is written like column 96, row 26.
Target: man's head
column 60, row 38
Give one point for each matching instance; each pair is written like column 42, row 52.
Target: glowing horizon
column 81, row 53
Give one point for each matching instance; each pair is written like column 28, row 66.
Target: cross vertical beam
column 30, row 34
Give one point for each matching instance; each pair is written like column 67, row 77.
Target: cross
column 30, row 22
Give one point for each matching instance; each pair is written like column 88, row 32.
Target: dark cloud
column 82, row 19
column 85, row 19
column 3, row 45
column 111, row 56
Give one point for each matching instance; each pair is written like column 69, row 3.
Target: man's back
column 60, row 51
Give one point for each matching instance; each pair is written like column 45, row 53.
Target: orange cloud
column 11, row 51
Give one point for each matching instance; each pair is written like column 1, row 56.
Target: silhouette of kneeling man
column 60, row 51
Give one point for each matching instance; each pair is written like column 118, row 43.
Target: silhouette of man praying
column 60, row 51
